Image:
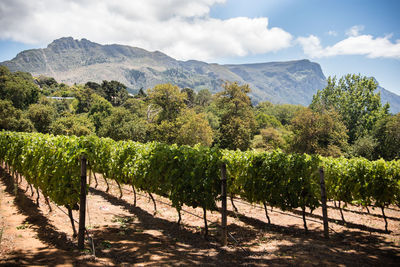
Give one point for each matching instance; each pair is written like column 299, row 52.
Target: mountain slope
column 78, row 61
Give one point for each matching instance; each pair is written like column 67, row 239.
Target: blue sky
column 329, row 20
column 352, row 36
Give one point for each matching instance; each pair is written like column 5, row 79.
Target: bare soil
column 126, row 235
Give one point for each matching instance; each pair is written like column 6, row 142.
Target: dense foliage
column 47, row 162
column 345, row 119
column 191, row 175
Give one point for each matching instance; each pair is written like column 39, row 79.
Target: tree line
column 346, row 118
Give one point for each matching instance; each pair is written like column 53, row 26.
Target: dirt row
column 126, row 235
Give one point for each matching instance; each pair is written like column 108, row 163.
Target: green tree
column 189, row 128
column 99, row 110
column 141, row 93
column 169, row 98
column 12, row 119
column 190, row 96
column 265, row 121
column 122, row 125
column 84, row 99
column 193, row 129
column 364, row 146
column 136, row 106
column 237, row 117
column 18, row 87
column 203, row 97
column 72, row 125
column 95, row 87
column 387, row 134
column 115, row 92
column 284, row 113
column 273, row 138
column 46, row 82
column 354, row 98
column 62, row 106
column 318, row 133
column 41, row 116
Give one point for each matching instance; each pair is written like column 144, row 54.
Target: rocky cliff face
column 78, row 61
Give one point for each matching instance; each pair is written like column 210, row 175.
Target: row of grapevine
column 190, row 175
column 291, row 181
column 363, row 182
column 274, row 178
column 49, row 163
column 185, row 175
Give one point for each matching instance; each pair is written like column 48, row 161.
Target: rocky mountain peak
column 67, row 43
column 79, row 61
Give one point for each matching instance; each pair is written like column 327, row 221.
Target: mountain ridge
column 78, row 61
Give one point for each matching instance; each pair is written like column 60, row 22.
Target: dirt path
column 125, row 234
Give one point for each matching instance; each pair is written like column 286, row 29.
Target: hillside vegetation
column 344, row 119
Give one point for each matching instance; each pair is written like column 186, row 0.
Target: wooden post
column 323, row 201
column 82, row 206
column 223, row 206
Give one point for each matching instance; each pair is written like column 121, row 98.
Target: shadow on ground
column 143, row 238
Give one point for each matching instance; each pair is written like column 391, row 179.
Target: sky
column 343, row 36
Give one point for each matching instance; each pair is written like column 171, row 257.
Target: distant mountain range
column 78, row 61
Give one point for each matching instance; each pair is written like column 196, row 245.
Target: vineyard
column 191, row 176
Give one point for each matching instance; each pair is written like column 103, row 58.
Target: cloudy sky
column 344, row 36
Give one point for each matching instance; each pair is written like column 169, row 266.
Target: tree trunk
column 120, row 190
column 341, row 212
column 71, row 218
column 205, row 223
column 48, row 203
column 266, row 212
column 108, row 187
column 134, row 196
column 30, row 185
column 37, row 198
column 154, row 203
column 233, row 204
column 95, row 179
column 304, row 219
column 179, row 216
column 384, row 217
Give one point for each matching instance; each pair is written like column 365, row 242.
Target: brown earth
column 126, row 235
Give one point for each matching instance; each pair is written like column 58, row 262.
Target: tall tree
column 284, row 113
column 387, row 134
column 318, row 133
column 12, row 119
column 115, row 92
column 18, row 87
column 122, row 125
column 72, row 125
column 41, row 116
column 99, row 111
column 190, row 96
column 203, row 97
column 193, row 129
column 84, row 99
column 354, row 98
column 169, row 98
column 237, row 116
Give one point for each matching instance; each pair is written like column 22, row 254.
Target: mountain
column 389, row 97
column 78, row 61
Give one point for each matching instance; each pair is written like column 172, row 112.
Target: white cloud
column 180, row 28
column 355, row 30
column 332, row 33
column 367, row 45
